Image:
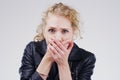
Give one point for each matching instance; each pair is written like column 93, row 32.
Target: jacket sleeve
column 27, row 70
column 87, row 68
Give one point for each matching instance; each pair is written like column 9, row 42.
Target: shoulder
column 30, row 48
column 88, row 57
column 36, row 46
column 30, row 44
column 81, row 54
column 85, row 53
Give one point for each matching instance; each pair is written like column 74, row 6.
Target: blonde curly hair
column 62, row 10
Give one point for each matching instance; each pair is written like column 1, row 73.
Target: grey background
column 100, row 30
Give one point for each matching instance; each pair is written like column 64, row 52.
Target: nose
column 59, row 36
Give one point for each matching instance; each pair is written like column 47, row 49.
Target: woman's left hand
column 60, row 51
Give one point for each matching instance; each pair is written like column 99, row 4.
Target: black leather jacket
column 81, row 63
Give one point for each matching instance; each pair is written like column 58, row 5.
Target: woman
column 54, row 56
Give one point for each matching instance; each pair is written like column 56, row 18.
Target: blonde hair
column 62, row 10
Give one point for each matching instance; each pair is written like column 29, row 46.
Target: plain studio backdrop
column 100, row 30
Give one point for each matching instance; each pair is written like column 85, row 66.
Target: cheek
column 47, row 37
column 68, row 37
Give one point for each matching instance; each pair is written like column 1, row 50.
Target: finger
column 66, row 44
column 56, row 47
column 60, row 45
column 54, row 51
column 48, row 47
column 65, row 41
column 49, row 41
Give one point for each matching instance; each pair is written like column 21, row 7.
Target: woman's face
column 58, row 27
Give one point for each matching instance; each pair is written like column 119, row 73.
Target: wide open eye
column 51, row 30
column 65, row 31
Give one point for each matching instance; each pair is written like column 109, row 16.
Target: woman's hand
column 45, row 65
column 60, row 51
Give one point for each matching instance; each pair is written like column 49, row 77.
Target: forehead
column 57, row 21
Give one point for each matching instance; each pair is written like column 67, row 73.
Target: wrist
column 48, row 57
column 44, row 66
column 63, row 70
column 64, row 64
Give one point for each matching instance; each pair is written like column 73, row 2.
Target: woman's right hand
column 48, row 54
column 46, row 63
column 60, row 51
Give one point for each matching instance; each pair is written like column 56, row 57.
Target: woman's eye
column 51, row 30
column 65, row 31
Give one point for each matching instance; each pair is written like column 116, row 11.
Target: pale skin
column 58, row 34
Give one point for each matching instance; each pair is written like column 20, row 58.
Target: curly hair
column 62, row 10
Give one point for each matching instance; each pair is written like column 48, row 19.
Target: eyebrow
column 55, row 28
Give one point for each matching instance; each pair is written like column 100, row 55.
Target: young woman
column 53, row 55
